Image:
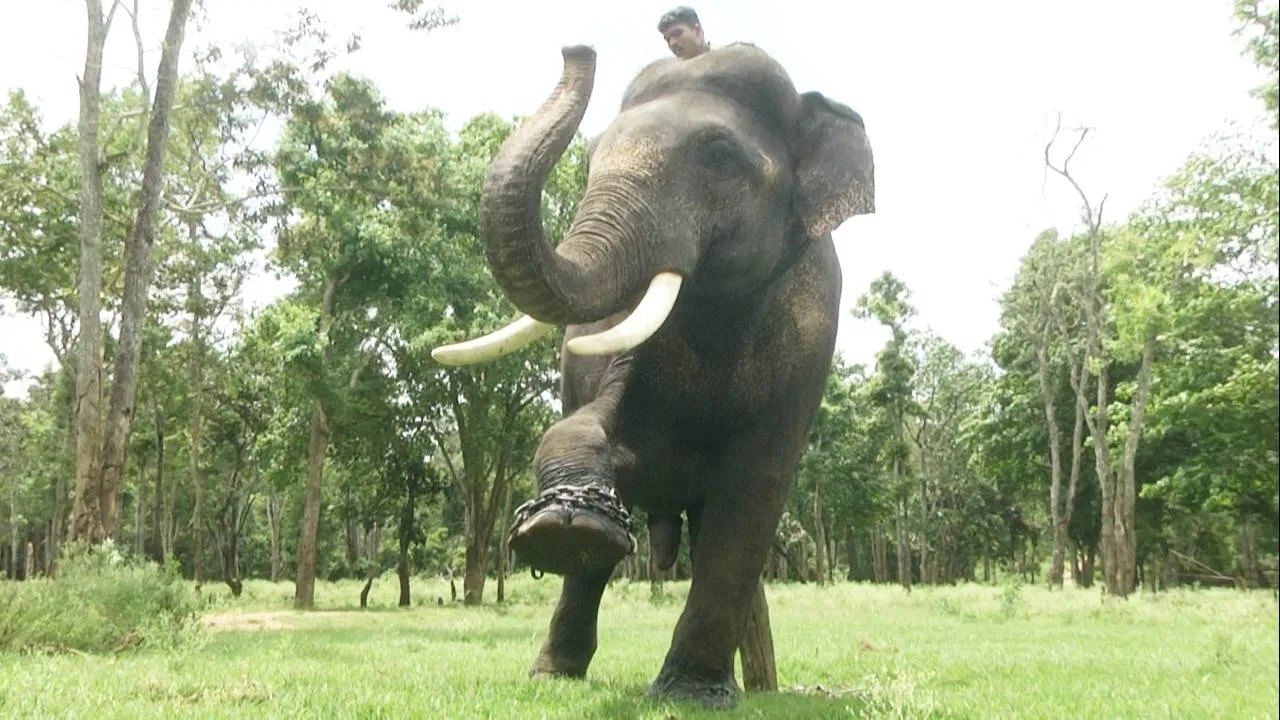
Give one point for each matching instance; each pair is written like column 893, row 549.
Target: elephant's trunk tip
column 579, row 53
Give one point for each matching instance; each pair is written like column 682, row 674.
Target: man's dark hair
column 682, row 15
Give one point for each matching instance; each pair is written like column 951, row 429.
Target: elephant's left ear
column 835, row 174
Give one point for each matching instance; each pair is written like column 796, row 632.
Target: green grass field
column 843, row 651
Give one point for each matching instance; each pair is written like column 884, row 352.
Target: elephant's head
column 715, row 173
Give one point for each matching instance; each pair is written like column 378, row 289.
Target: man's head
column 683, row 33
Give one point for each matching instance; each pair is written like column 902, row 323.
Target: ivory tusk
column 494, row 345
column 639, row 325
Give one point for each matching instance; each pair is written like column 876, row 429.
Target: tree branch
column 137, row 39
column 1092, row 219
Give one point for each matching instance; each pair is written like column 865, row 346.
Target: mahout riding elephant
column 700, row 291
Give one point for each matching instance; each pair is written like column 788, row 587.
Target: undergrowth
column 102, row 601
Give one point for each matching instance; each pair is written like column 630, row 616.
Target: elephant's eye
column 721, row 157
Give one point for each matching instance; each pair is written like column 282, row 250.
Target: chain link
column 594, row 497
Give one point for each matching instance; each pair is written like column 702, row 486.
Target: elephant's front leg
column 576, row 524
column 571, row 639
column 733, row 533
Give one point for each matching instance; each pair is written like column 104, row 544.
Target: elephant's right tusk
column 639, row 325
column 494, row 345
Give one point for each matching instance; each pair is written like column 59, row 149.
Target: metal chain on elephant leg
column 592, row 497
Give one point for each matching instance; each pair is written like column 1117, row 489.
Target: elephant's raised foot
column 572, row 530
column 714, row 693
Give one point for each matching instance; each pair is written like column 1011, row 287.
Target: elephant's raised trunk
column 603, row 261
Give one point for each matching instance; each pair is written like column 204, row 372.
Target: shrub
column 100, row 601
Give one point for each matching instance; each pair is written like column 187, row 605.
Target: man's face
column 685, row 41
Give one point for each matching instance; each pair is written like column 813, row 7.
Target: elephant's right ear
column 835, row 173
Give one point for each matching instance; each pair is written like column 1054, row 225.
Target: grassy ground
column 843, row 651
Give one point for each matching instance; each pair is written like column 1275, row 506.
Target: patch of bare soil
column 249, row 621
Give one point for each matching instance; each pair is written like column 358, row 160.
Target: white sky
column 959, row 99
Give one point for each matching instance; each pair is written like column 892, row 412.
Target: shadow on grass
column 630, row 702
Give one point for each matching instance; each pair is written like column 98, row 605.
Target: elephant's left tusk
column 639, row 325
column 494, row 345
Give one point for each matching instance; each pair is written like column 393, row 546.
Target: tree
column 87, row 519
column 39, row 230
column 948, row 390
column 1119, row 493
column 888, row 301
column 368, row 188
column 1210, row 242
column 489, row 418
column 1039, row 315
column 12, row 437
column 100, row 471
column 1260, row 26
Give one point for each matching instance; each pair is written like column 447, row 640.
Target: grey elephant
column 700, row 291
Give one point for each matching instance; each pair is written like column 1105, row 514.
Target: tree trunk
column 802, row 571
column 317, row 446
column 880, row 555
column 352, row 530
column 304, row 597
column 851, row 554
column 405, row 532
column 370, row 555
column 86, row 517
column 58, row 519
column 140, row 512
column 504, row 553
column 231, row 520
column 831, row 558
column 1055, row 456
column 157, row 510
column 473, row 577
column 13, row 524
column 904, row 547
column 1077, row 456
column 1107, row 480
column 759, row 671
column 137, row 276
column 195, row 428
column 170, row 522
column 1088, row 557
column 275, row 506
column 1126, row 535
column 1250, row 569
column 926, row 560
column 820, row 535
column 482, row 506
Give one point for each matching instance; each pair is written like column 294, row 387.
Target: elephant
column 699, row 289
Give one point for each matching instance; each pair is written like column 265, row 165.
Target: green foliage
column 1259, row 22
column 101, row 601
column 845, row 445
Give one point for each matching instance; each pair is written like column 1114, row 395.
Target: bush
column 101, row 601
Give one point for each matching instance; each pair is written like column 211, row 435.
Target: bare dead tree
column 1118, row 486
